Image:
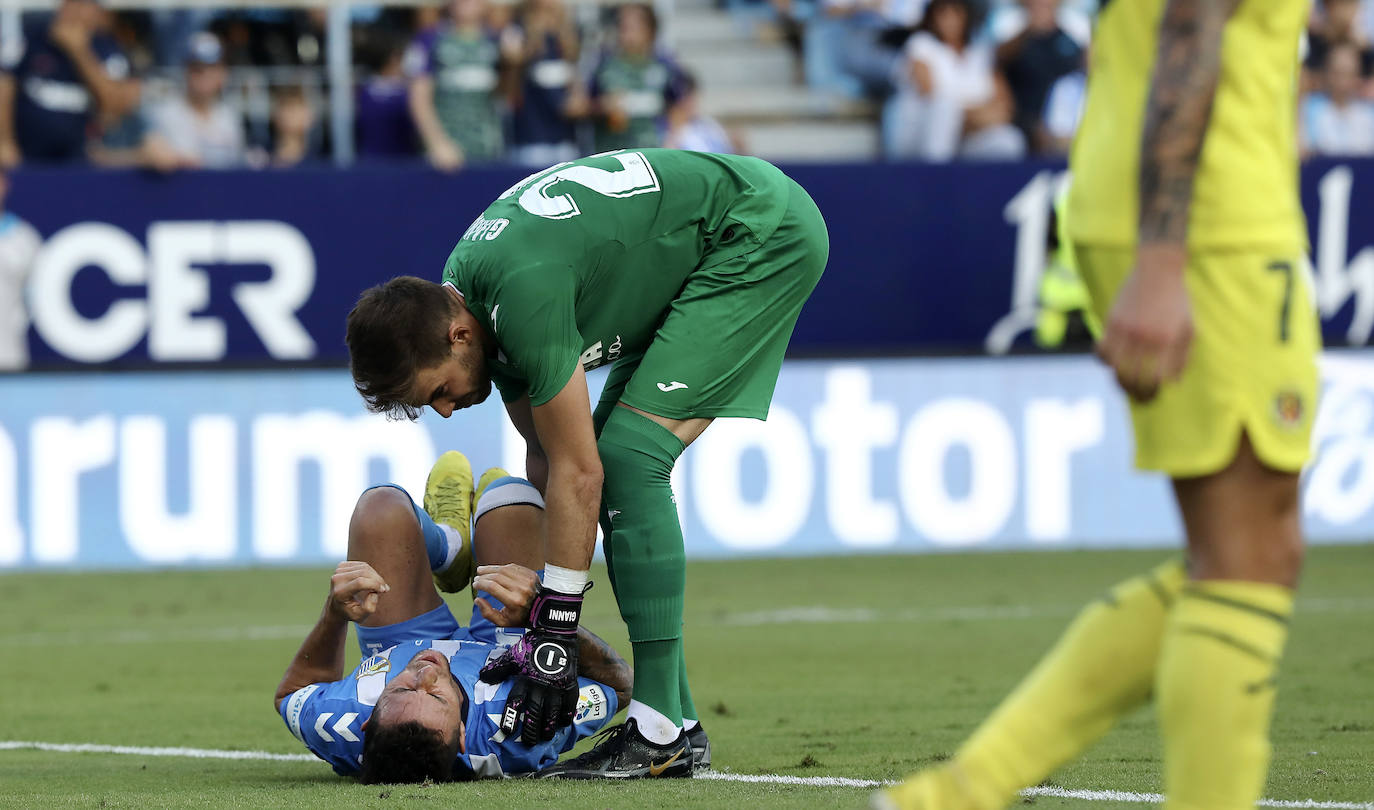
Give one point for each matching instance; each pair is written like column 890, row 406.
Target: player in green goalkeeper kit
column 686, row 272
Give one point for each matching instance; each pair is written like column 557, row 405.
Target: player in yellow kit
column 1190, row 239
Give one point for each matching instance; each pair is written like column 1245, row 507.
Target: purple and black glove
column 544, row 663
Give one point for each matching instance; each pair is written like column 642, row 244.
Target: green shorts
column 720, row 347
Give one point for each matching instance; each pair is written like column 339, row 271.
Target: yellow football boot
column 448, row 500
column 493, row 474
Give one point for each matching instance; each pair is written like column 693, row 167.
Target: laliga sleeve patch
column 293, row 707
column 591, row 704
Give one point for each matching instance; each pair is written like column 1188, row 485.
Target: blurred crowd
column 1006, row 78
column 463, row 82
column 480, row 81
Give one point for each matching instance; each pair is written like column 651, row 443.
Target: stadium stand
column 789, row 80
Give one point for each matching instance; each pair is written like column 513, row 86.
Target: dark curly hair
column 406, row 753
column 395, row 330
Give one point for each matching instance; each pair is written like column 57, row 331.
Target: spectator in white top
column 1366, row 19
column 200, row 126
column 19, row 243
column 1338, row 122
column 848, row 46
column 951, row 100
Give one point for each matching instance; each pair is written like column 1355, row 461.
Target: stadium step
column 756, row 66
column 750, row 84
column 812, row 140
column 740, row 104
column 697, row 29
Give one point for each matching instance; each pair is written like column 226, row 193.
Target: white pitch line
column 195, row 753
column 858, row 615
column 1058, row 793
column 1156, row 798
column 791, row 615
column 181, row 634
column 717, row 776
column 828, row 615
column 779, row 779
column 786, row 615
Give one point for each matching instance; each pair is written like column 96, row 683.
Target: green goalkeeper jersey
column 582, row 262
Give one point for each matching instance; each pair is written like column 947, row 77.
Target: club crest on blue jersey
column 373, row 666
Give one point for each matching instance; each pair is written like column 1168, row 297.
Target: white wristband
column 565, row 580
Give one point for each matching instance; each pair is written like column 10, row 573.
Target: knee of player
column 1287, row 556
column 623, row 468
column 613, row 454
column 1283, row 543
column 383, row 509
column 635, row 449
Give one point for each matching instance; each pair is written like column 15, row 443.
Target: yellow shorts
column 1252, row 367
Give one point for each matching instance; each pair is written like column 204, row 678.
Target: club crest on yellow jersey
column 1289, row 411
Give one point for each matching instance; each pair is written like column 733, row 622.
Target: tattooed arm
column 599, row 661
column 1150, row 327
column 1187, row 69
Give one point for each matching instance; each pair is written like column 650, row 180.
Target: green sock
column 656, row 666
column 605, row 522
column 689, row 709
column 644, row 550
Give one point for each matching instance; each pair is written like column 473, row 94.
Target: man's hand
column 513, row 44
column 617, row 119
column 161, row 156
column 353, row 593
column 9, row 154
column 446, row 156
column 1150, row 327
column 544, row 664
column 70, row 34
column 577, row 104
column 515, row 585
column 354, row 590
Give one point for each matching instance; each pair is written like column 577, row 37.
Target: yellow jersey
column 1245, row 192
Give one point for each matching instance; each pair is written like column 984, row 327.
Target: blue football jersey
column 328, row 717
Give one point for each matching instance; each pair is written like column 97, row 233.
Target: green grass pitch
column 863, row 667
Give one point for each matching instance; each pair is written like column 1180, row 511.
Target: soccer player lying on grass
column 416, row 709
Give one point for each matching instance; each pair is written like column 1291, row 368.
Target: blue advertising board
column 900, row 455
column 262, row 267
